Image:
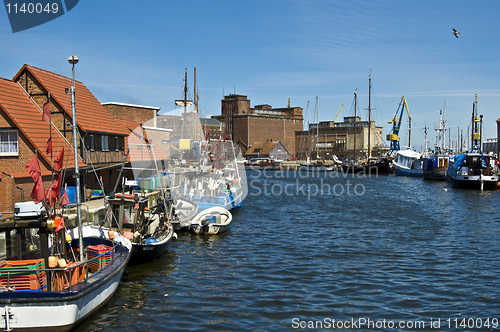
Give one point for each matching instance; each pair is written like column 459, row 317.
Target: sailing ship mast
column 369, row 112
column 317, row 129
column 355, row 106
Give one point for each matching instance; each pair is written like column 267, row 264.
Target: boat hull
column 148, row 252
column 211, row 229
column 438, row 173
column 474, row 182
column 407, row 171
column 198, row 226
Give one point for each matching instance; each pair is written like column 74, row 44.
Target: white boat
column 408, row 163
column 211, row 221
column 35, row 297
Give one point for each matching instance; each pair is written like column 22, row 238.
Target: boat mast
column 475, row 130
column 308, row 132
column 317, row 129
column 369, row 112
column 355, row 106
column 74, row 60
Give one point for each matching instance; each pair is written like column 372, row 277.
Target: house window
column 9, row 143
column 104, row 143
column 92, row 143
column 116, row 143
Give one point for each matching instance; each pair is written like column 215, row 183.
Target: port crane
column 393, row 137
column 338, row 113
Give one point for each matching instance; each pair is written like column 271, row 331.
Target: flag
column 53, row 191
column 37, row 193
column 58, row 162
column 61, row 225
column 46, row 111
column 34, row 168
column 65, row 199
column 48, row 145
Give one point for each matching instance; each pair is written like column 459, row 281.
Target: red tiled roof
column 266, row 148
column 90, row 114
column 27, row 117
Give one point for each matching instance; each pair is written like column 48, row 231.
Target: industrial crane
column 338, row 113
column 396, row 124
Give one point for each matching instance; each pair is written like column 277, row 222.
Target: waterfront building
column 328, row 138
column 262, row 123
column 273, row 150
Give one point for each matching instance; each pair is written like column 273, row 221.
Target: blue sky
column 136, row 51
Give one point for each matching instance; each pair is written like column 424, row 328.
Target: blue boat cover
column 429, row 164
column 459, row 161
column 483, row 162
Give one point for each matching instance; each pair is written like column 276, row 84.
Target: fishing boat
column 472, row 170
column 435, row 167
column 42, row 292
column 214, row 220
column 408, row 163
column 148, row 229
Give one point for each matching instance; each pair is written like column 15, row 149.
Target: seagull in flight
column 455, row 32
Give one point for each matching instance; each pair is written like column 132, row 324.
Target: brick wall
column 131, row 113
column 17, row 164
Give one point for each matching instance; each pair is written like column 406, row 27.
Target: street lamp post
column 73, row 60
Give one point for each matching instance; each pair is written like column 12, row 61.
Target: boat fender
column 175, row 236
column 68, row 238
column 498, row 185
column 111, row 235
column 61, row 263
column 52, row 262
column 50, row 224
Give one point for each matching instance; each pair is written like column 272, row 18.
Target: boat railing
column 69, row 275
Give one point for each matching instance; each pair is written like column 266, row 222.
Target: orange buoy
column 111, row 235
column 57, row 221
column 498, row 185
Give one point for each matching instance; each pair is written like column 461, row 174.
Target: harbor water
column 326, row 252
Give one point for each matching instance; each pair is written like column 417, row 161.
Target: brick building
column 212, row 128
column 262, row 123
column 337, row 138
column 22, row 134
column 130, row 112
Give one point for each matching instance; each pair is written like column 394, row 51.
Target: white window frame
column 116, row 143
column 9, row 131
column 91, row 142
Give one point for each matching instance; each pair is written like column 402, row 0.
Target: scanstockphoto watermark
column 307, row 184
column 318, row 173
column 309, row 190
